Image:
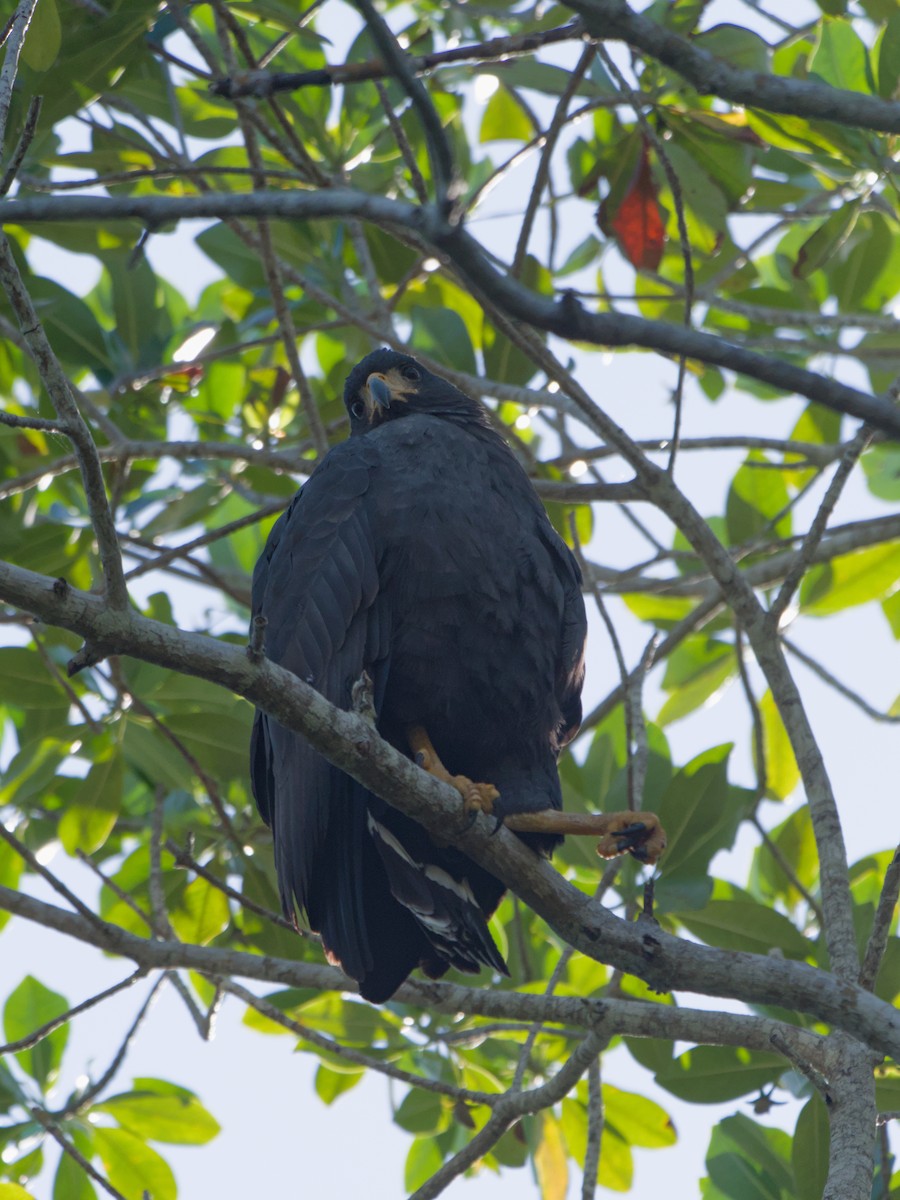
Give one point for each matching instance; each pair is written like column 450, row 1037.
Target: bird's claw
column 477, row 797
column 643, row 839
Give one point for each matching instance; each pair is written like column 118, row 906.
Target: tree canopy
column 697, row 199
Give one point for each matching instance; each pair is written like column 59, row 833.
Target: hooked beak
column 378, row 395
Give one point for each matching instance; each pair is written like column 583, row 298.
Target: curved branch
column 347, row 740
column 712, row 76
column 631, row 1018
column 565, row 317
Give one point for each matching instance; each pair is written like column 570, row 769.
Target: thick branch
column 631, row 1018
column 713, row 76
column 566, row 317
column 350, row 742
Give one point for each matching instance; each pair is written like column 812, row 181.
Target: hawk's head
column 387, row 385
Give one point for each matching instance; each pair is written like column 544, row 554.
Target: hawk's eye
column 358, row 409
column 411, row 373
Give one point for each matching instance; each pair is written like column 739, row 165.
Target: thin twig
column 595, row 1115
column 399, row 134
column 264, row 83
column 188, row 862
column 63, row 400
column 13, row 40
column 833, row 682
column 817, row 529
column 68, row 1147
column 38, row 1035
column 508, row 1109
column 638, row 103
column 74, row 699
column 87, row 1097
column 38, row 868
column 349, row 1054
column 551, row 137
column 400, row 66
column 881, row 924
column 25, row 139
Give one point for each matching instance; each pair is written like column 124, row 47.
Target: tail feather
column 444, row 907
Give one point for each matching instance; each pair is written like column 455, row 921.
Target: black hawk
column 419, row 553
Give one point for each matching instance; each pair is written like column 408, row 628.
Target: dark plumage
column 419, row 552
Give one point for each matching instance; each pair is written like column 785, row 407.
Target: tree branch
column 350, row 743
column 565, row 317
column 60, row 392
column 713, row 76
column 261, row 84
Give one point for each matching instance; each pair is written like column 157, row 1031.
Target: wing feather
column 317, row 586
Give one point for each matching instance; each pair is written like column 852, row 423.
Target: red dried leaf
column 637, row 223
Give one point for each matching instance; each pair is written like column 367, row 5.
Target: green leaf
column 179, row 1119
column 420, row 1112
column 891, row 609
column 700, row 814
column 15, row 1191
column 881, row 466
column 736, row 45
column 745, row 925
column 201, row 914
column 767, row 1149
column 330, row 1084
column 826, row 240
column 504, row 119
column 757, row 495
column 441, row 333
column 714, row 1074
column 423, row 1159
column 133, row 1167
column 71, row 1181
column 638, row 1120
column 734, row 1176
column 11, row 867
column 796, row 844
column 695, row 674
column 217, row 740
column 44, row 37
column 28, row 1007
column 809, row 1156
column 91, row 817
column 26, row 681
column 840, row 57
column 851, row 579
column 72, row 328
column 782, row 772
column 889, row 58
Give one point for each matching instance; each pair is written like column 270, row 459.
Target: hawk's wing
column 327, row 620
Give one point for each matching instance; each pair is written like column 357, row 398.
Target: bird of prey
column 419, row 554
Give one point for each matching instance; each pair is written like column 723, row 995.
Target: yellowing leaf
column 782, row 772
column 551, row 1163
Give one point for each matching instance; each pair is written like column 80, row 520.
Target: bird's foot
column 476, row 797
column 640, row 834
